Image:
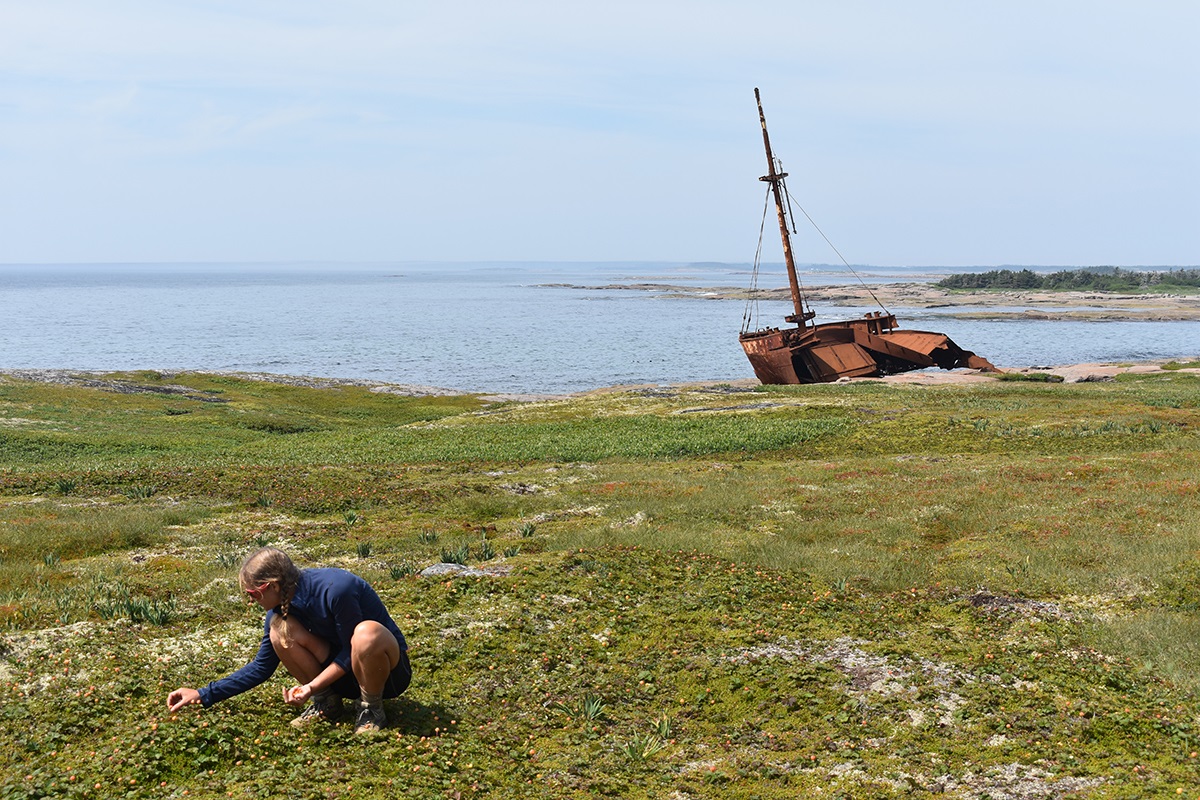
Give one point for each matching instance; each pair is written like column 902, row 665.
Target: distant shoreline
column 958, row 304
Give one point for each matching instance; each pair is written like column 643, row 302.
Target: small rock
column 460, row 571
column 442, row 569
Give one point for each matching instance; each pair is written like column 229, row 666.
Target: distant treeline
column 1100, row 279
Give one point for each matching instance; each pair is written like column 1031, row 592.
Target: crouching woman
column 330, row 630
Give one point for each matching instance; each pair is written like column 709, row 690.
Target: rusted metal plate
column 828, row 362
column 770, row 356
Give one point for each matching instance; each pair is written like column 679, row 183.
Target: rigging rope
column 834, row 249
column 750, row 312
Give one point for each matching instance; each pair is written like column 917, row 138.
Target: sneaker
column 370, row 719
column 321, row 709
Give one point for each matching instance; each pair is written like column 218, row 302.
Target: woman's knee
column 369, row 633
column 370, row 636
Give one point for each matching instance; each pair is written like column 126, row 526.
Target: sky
column 924, row 132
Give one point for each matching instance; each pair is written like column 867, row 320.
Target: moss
column 763, row 682
column 770, row 592
column 1031, row 377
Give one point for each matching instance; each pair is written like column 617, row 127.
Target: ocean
column 473, row 327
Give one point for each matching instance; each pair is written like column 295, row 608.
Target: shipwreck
column 812, row 352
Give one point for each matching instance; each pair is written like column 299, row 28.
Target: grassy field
column 865, row 590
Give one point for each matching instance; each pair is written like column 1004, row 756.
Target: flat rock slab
column 462, row 571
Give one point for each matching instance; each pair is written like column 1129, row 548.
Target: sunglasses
column 257, row 591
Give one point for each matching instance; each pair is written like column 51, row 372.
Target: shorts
column 397, row 681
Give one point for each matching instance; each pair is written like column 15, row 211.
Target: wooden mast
column 776, row 179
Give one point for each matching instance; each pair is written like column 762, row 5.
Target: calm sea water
column 474, row 327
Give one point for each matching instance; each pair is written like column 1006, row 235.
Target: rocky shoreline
column 127, row 383
column 1045, row 305
column 1042, row 305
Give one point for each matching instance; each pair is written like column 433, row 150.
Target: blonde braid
column 279, row 623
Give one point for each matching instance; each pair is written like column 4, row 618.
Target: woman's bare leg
column 303, row 657
column 305, row 654
column 374, row 653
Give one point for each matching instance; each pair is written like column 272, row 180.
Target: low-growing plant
column 140, row 492
column 117, row 601
column 402, row 570
column 352, row 518
column 65, row 485
column 457, row 555
column 112, row 602
column 65, row 607
column 641, row 746
column 527, row 529
column 590, row 566
column 363, row 549
column 588, row 708
column 427, row 536
column 1018, row 572
column 509, row 552
column 51, row 559
column 486, row 551
column 228, row 559
column 264, row 501
column 1030, row 377
column 270, row 423
column 152, row 610
column 664, row 727
column 79, row 531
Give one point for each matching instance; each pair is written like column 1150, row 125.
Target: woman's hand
column 297, row 695
column 181, row 697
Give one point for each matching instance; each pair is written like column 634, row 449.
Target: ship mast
column 800, row 317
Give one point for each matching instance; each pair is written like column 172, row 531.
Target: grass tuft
column 458, row 555
column 641, row 747
column 588, row 708
column 403, row 570
column 1030, row 377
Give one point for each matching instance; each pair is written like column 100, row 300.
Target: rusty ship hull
column 857, row 348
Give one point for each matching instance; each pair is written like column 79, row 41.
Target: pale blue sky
column 921, row 132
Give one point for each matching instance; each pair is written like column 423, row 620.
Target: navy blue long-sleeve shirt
column 330, row 603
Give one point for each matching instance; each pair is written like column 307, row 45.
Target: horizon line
column 564, row 262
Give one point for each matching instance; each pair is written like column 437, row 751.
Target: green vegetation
column 865, row 590
column 1032, row 377
column 1098, row 279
